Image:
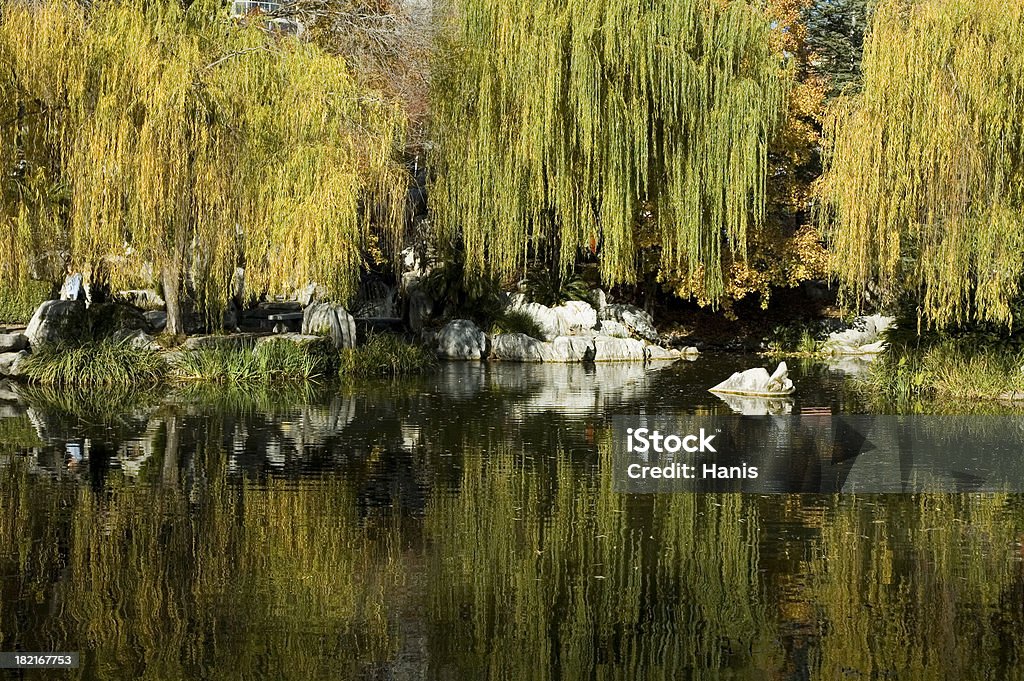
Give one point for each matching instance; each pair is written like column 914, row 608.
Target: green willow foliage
column 924, row 177
column 142, row 133
column 571, row 118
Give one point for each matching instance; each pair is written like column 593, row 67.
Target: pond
column 465, row 526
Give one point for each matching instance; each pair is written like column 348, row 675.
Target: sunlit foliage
column 144, row 137
column 924, row 178
column 575, row 118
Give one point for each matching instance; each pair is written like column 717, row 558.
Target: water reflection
column 465, row 526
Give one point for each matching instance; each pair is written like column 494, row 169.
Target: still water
column 464, row 526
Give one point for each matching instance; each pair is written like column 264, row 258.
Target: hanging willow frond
column 570, row 115
column 181, row 137
column 924, row 180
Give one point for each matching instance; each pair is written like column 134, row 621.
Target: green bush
column 545, row 285
column 278, row 360
column 104, row 363
column 386, row 355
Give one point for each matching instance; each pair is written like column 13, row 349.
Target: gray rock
column 11, row 363
column 607, row 349
column 296, row 338
column 325, row 319
column 599, row 299
column 55, row 320
column 12, row 342
column 461, row 339
column 145, row 298
column 639, row 323
column 140, row 340
column 234, row 341
column 518, row 347
column 157, row 320
column 420, row 308
column 758, row 382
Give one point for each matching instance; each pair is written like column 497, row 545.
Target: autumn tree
column 148, row 136
column 924, row 179
column 580, row 119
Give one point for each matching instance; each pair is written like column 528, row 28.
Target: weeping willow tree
column 924, row 176
column 567, row 122
column 146, row 138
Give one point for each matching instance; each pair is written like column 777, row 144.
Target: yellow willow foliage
column 924, row 177
column 576, row 115
column 184, row 140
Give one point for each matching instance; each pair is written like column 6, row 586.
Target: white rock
column 863, row 338
column 518, row 347
column 639, row 323
column 461, row 339
column 568, row 319
column 324, row 319
column 613, row 329
column 657, row 353
column 608, row 349
column 758, row 382
column 72, row 288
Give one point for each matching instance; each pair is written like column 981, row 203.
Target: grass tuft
column 274, row 360
column 386, row 355
column 104, row 363
column 516, row 321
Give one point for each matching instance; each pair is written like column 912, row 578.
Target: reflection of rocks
column 857, row 366
column 757, row 382
column 757, row 406
column 461, row 380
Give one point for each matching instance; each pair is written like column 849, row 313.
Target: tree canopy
column 570, row 122
column 147, row 137
column 924, row 180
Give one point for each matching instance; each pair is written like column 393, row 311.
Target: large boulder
column 137, row 339
column 12, row 342
column 11, row 362
column 461, row 339
column 55, row 320
column 863, row 338
column 518, row 347
column 758, row 382
column 607, row 349
column 324, row 319
column 639, row 323
column 567, row 319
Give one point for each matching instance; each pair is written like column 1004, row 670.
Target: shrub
column 547, row 286
column 18, row 302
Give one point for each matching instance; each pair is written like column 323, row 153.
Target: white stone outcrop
column 863, row 338
column 758, row 382
column 639, row 323
column 461, row 339
column 518, row 347
column 12, row 342
column 567, row 319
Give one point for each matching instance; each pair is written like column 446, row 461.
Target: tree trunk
column 172, row 289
